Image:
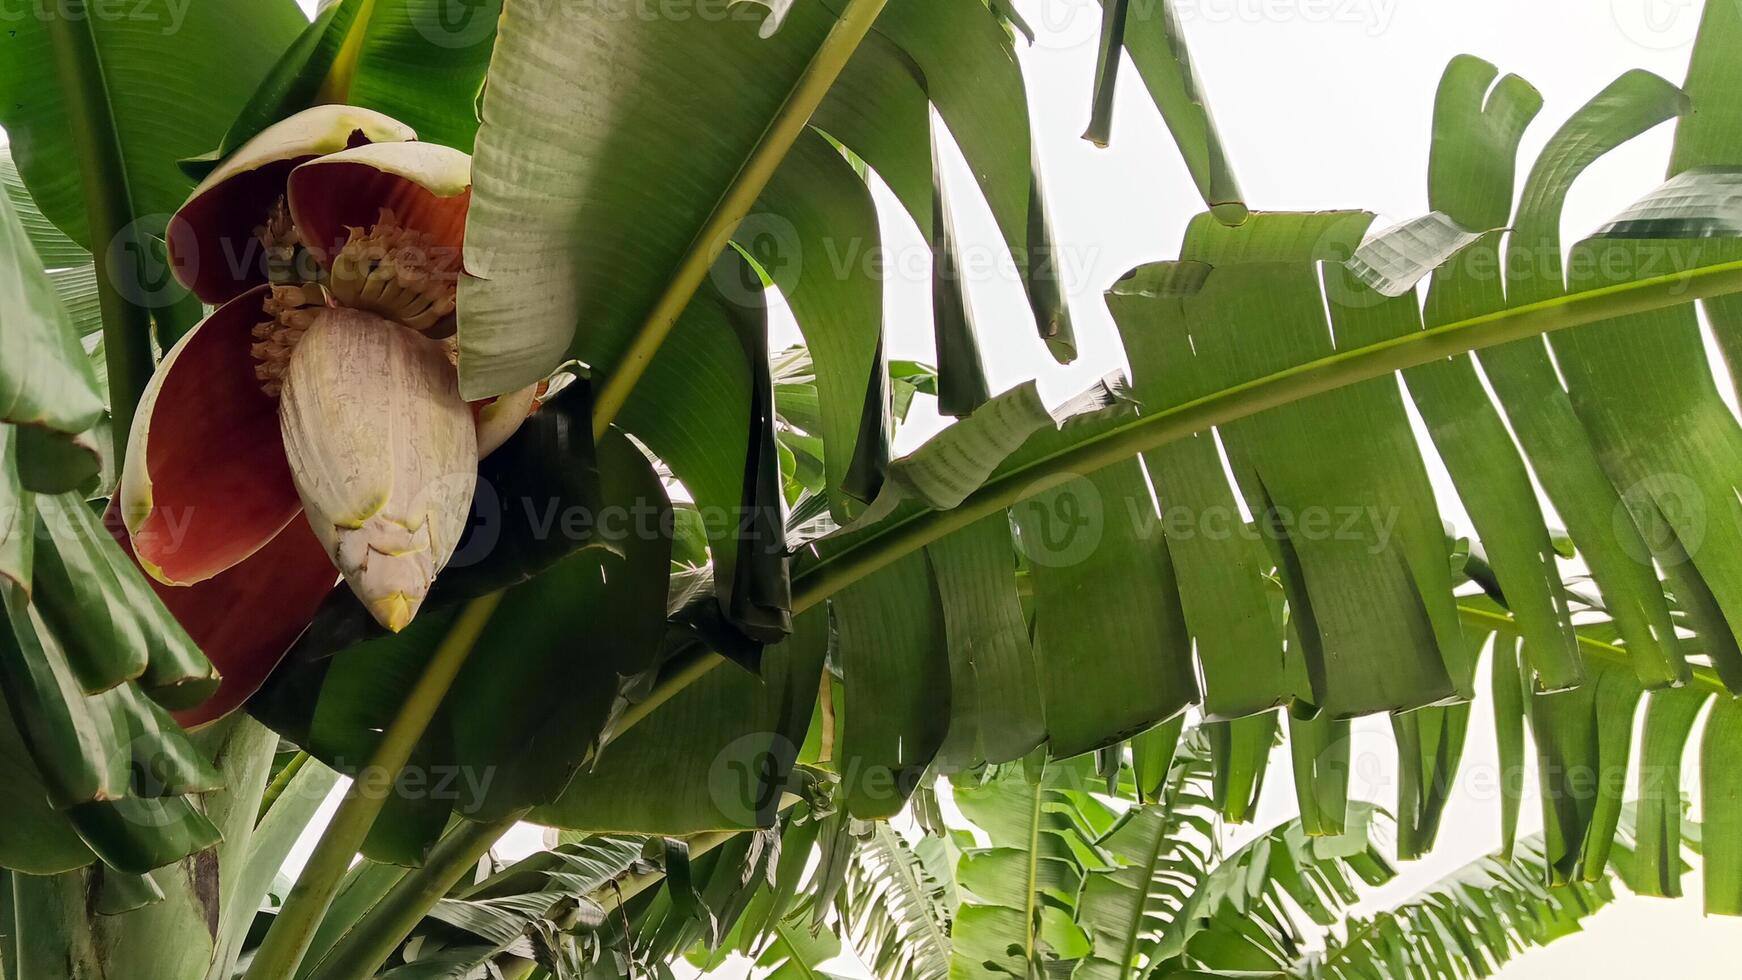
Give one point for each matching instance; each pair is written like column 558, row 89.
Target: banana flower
column 313, row 422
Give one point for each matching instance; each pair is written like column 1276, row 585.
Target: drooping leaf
column 1320, row 749
column 139, row 834
column 962, row 385
column 995, row 708
column 38, row 840
column 756, row 585
column 1668, row 453
column 879, row 109
column 715, row 449
column 543, row 264
column 1542, row 416
column 47, row 380
column 1580, row 764
column 105, row 615
column 894, row 660
column 967, row 64
column 1358, row 592
column 1470, row 177
column 1153, row 754
column 1430, row 744
column 1153, row 37
column 1507, row 680
column 1221, row 566
column 1109, row 668
column 1669, row 721
column 91, row 747
column 1720, row 804
column 815, row 233
column 174, row 935
column 1240, row 754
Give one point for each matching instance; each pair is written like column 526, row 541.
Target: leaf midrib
column 1285, row 387
column 1033, row 871
column 900, row 538
column 918, row 899
column 792, row 948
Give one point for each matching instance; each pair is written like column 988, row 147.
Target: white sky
column 1321, row 104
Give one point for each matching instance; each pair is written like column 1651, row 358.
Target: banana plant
column 1160, row 891
column 480, row 485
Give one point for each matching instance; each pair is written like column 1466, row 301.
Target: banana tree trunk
column 97, row 924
